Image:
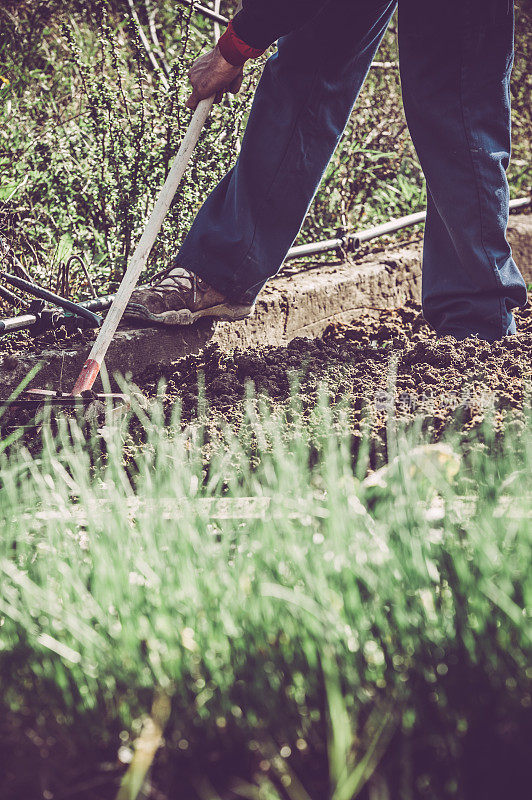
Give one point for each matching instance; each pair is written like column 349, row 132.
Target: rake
column 82, row 394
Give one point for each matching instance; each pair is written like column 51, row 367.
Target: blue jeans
column 456, row 58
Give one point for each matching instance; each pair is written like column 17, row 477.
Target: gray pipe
column 206, row 12
column 353, row 240
column 17, row 323
column 347, row 241
column 520, row 202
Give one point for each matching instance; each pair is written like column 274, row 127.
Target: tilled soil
column 383, row 362
column 389, row 362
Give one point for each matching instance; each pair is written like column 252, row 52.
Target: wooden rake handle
column 93, row 364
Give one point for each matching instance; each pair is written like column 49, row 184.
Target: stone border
column 300, row 304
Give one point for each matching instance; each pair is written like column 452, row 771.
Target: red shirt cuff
column 234, row 50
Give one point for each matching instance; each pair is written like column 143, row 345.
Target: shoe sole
column 222, row 312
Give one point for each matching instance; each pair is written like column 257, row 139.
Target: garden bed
column 387, row 361
column 304, row 301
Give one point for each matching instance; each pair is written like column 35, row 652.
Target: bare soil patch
column 380, row 363
column 385, row 363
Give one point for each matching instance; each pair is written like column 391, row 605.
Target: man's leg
column 456, row 58
column 302, row 104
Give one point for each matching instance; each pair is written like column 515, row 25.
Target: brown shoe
column 178, row 297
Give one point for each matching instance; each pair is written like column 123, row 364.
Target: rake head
column 35, row 405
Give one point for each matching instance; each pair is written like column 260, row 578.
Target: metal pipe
column 206, row 12
column 44, row 294
column 353, row 240
column 520, row 202
column 50, row 319
column 54, row 320
column 102, row 303
column 313, row 248
column 83, row 266
column 17, row 323
column 389, row 227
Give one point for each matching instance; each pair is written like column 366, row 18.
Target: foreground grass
column 299, row 626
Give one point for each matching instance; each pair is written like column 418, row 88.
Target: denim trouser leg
column 456, row 58
column 302, row 104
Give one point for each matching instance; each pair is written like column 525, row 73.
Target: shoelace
column 180, row 280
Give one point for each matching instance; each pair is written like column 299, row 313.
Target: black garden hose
column 60, row 302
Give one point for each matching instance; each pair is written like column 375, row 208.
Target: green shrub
column 88, row 128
